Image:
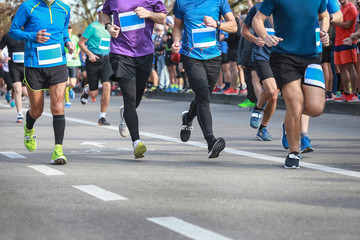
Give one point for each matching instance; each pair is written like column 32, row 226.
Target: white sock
column 102, row 114
column 136, row 143
column 19, row 113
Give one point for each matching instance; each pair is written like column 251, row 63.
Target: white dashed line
column 12, row 155
column 99, row 193
column 46, row 170
column 187, row 229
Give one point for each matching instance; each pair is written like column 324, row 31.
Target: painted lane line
column 12, row 155
column 187, row 229
column 99, row 193
column 93, row 144
column 46, row 170
column 230, row 150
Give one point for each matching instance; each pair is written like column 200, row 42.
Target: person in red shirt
column 345, row 56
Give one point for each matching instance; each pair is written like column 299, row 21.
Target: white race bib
column 18, row 57
column 104, row 44
column 204, row 37
column 49, row 54
column 130, row 21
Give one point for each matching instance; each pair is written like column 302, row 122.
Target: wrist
column 106, row 25
column 218, row 24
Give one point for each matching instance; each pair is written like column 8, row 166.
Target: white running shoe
column 123, row 129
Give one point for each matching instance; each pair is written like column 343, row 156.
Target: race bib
column 49, row 54
column 104, row 43
column 270, row 31
column 130, row 21
column 204, row 37
column 318, row 42
column 18, row 57
column 314, row 76
column 69, row 57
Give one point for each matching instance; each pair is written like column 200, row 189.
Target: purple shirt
column 133, row 43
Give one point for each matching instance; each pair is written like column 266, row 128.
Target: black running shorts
column 99, row 70
column 232, row 55
column 326, row 56
column 224, row 58
column 72, row 72
column 42, row 78
column 16, row 72
column 263, row 69
column 289, row 68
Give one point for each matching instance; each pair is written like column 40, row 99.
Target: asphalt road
column 176, row 192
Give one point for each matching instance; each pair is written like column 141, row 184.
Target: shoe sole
column 101, row 124
column 307, row 150
column 292, row 167
column 184, row 134
column 59, row 161
column 140, row 151
column 259, row 138
column 219, row 145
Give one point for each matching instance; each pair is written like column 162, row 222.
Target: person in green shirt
column 73, row 62
column 95, row 43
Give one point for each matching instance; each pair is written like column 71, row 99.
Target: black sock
column 338, row 76
column 59, row 128
column 29, row 121
column 262, row 126
column 256, row 108
column 210, row 140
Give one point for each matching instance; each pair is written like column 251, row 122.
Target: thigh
column 93, row 70
column 212, row 67
column 16, row 72
column 56, row 75
column 106, row 71
column 263, row 70
column 196, row 73
column 293, row 96
column 314, row 100
column 124, row 67
column 143, row 70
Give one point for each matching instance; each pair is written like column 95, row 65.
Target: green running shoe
column 29, row 139
column 246, row 103
column 58, row 157
column 139, row 149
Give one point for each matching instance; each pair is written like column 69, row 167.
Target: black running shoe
column 292, row 160
column 103, row 122
column 186, row 128
column 84, row 96
column 216, row 147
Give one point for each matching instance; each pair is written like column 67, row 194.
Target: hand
column 272, row 40
column 41, row 36
column 324, row 38
column 259, row 42
column 142, row 12
column 93, row 58
column 175, row 47
column 114, row 31
column 209, row 22
column 70, row 46
column 348, row 41
column 76, row 55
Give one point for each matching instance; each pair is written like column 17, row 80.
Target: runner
column 201, row 55
column 16, row 69
column 44, row 25
column 131, row 56
column 95, row 44
column 294, row 49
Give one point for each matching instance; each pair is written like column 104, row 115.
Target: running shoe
column 29, row 139
column 123, row 129
column 216, row 147
column 20, row 118
column 351, row 98
column 68, row 105
column 292, row 160
column 58, row 157
column 246, row 103
column 12, row 103
column 341, row 98
column 8, row 96
column 305, row 145
column 139, row 149
column 102, row 122
column 231, row 91
column 263, row 135
column 243, row 88
column 216, row 90
column 84, row 96
column 71, row 94
column 93, row 99
column 186, row 128
column 284, row 141
column 255, row 118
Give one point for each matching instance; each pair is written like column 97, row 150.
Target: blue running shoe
column 255, row 118
column 263, row 135
column 68, row 105
column 305, row 145
column 8, row 96
column 284, row 140
column 71, row 94
column 12, row 103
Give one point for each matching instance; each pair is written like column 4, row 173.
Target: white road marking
column 229, row 150
column 99, row 193
column 46, row 170
column 187, row 229
column 12, row 155
column 93, row 144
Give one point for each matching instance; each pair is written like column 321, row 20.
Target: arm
column 229, row 25
column 19, row 21
column 324, row 19
column 258, row 25
column 83, row 47
column 347, row 24
column 337, row 17
column 112, row 29
column 248, row 36
column 177, row 34
column 157, row 17
column 2, row 58
column 250, row 4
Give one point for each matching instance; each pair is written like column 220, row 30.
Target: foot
column 292, row 160
column 84, row 96
column 123, row 129
column 255, row 118
column 12, row 103
column 71, row 94
column 305, row 145
column 8, row 96
column 29, row 139
column 284, row 141
column 58, row 157
column 68, row 105
column 186, row 128
column 246, row 103
column 139, row 149
column 102, row 122
column 263, row 135
column 20, row 118
column 216, row 147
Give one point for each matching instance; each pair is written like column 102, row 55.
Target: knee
column 36, row 113
column 57, row 107
column 314, row 110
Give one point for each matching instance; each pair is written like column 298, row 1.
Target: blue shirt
column 192, row 12
column 295, row 22
column 258, row 53
column 223, row 44
column 36, row 15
